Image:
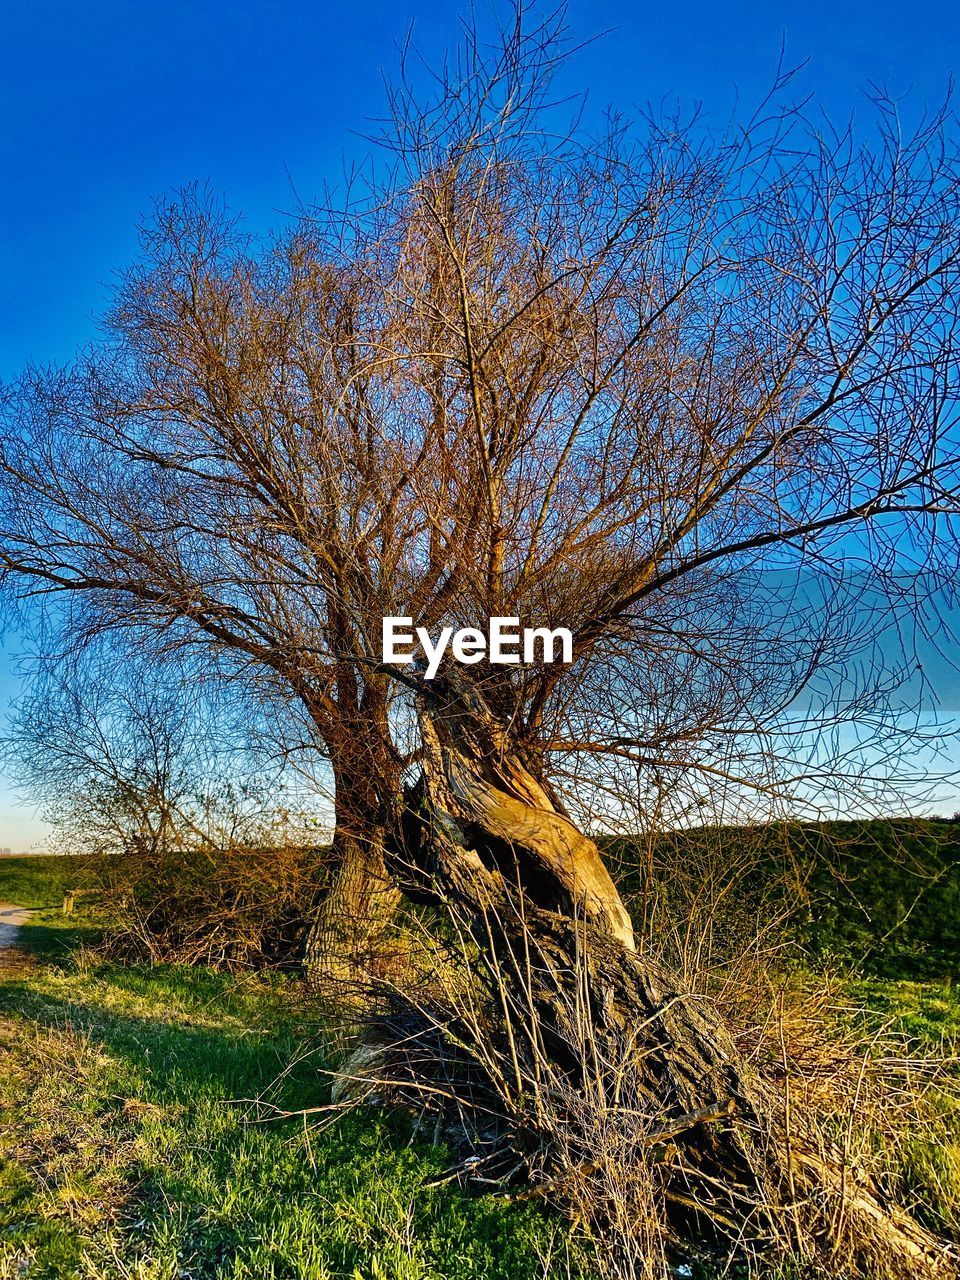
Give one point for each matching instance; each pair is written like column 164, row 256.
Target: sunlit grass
column 130, row 1146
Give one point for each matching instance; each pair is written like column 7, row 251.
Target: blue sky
column 106, row 106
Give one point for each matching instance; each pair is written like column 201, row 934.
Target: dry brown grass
column 549, row 1111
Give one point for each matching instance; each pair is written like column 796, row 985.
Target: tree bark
column 473, row 773
column 345, row 936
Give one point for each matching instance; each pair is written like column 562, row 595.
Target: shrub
column 234, row 904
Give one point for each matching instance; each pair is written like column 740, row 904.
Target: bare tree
column 194, row 849
column 692, row 397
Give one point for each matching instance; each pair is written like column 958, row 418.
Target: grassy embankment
column 129, row 1145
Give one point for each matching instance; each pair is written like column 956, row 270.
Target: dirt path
column 11, row 918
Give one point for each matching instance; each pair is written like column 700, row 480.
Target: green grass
column 40, row 883
column 37, row 881
column 129, row 1145
column 919, row 1023
column 927, row 1013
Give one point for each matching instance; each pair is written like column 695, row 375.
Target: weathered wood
column 485, row 785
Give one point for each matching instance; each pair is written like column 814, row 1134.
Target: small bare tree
column 190, row 848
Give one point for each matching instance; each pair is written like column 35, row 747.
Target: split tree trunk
column 484, row 834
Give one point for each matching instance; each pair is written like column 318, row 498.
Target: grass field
column 130, row 1144
column 135, row 1139
column 36, row 881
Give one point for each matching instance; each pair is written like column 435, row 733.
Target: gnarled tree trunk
column 482, row 833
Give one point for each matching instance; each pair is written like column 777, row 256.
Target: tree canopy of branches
column 691, row 396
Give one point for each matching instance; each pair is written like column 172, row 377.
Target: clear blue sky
column 106, row 106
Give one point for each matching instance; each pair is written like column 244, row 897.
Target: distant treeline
column 881, row 895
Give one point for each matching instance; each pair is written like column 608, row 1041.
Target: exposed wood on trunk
column 486, row 785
